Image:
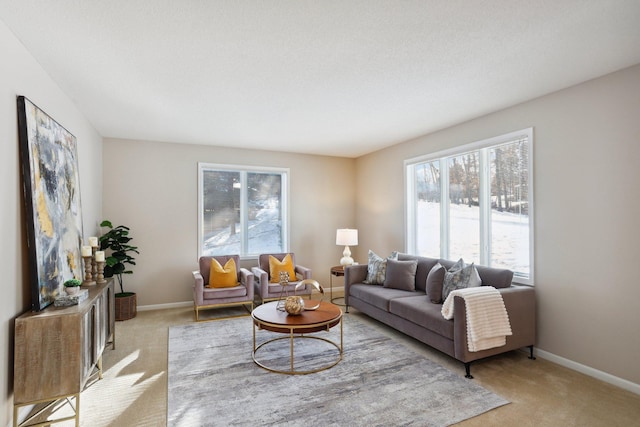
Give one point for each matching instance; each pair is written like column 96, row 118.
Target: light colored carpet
column 212, row 381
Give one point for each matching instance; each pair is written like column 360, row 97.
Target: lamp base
column 346, row 261
column 346, row 257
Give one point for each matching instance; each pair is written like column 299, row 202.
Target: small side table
column 336, row 271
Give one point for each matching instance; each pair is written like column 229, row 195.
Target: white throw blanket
column 487, row 319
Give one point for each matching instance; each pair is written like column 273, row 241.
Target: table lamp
column 347, row 237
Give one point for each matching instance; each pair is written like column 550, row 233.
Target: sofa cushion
column 379, row 296
column 401, row 275
column 285, row 266
column 496, row 277
column 218, row 293
column 290, row 288
column 223, row 277
column 418, row 310
column 377, row 267
column 459, row 276
column 425, row 264
column 435, row 279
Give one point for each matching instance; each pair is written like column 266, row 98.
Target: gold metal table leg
column 291, row 345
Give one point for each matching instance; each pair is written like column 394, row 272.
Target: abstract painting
column 52, row 203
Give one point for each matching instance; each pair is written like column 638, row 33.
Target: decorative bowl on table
column 72, row 290
column 294, row 305
column 72, row 286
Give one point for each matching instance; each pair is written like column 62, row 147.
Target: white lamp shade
column 346, row 237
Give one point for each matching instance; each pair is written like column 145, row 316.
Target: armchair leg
column 531, row 356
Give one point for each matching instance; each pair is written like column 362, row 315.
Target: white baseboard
column 165, row 306
column 587, row 370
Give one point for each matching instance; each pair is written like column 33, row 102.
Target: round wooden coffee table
column 325, row 317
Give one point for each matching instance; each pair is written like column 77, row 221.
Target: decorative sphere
column 294, row 305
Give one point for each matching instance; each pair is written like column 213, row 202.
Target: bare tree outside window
column 428, row 208
column 242, row 211
column 510, row 206
column 486, row 200
column 464, row 218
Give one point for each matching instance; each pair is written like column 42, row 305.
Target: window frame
column 483, row 147
column 244, row 212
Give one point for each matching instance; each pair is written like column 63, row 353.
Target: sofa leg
column 467, row 368
column 531, row 356
column 347, row 308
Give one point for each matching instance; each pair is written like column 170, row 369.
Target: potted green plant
column 72, row 286
column 119, row 257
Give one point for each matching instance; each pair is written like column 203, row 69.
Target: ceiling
column 331, row 77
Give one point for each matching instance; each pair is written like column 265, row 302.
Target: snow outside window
column 475, row 202
column 241, row 210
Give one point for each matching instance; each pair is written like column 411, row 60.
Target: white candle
column 86, row 251
column 99, row 256
column 93, row 241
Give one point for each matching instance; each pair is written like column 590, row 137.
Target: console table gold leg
column 30, row 420
column 341, row 335
column 78, row 401
column 331, row 287
column 291, row 345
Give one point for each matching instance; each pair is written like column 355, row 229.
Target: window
column 475, row 202
column 241, row 210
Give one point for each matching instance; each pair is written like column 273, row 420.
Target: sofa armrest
column 520, row 302
column 353, row 274
column 261, row 278
column 302, row 271
column 246, row 279
column 198, row 287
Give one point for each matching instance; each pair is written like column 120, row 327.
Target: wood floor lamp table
column 268, row 317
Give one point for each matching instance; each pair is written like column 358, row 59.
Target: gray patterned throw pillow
column 377, row 268
column 460, row 276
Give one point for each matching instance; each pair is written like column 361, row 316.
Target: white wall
column 21, row 75
column 153, row 189
column 587, row 206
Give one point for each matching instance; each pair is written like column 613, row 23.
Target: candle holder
column 100, row 279
column 88, row 277
column 284, row 281
column 94, row 267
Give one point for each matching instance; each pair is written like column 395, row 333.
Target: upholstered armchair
column 228, row 292
column 268, row 288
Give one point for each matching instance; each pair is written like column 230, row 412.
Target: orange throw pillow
column 223, row 277
column 276, row 266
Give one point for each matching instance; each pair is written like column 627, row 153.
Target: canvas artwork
column 52, row 202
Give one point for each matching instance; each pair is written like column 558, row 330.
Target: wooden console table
column 57, row 351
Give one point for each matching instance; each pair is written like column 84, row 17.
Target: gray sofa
column 412, row 313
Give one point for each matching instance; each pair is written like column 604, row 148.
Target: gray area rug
column 213, row 381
